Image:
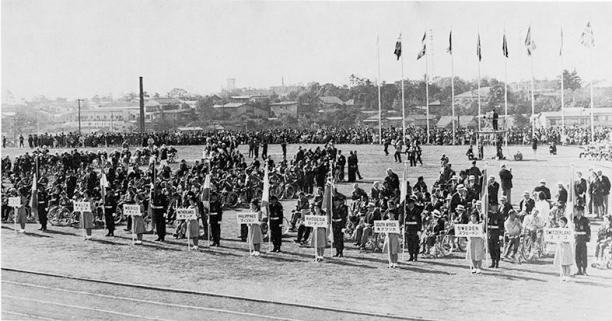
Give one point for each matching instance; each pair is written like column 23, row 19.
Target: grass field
column 438, row 289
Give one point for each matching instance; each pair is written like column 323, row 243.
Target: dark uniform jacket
column 413, row 220
column 582, row 229
column 276, row 214
column 495, row 225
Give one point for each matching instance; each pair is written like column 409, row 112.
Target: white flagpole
column 379, row 101
column 591, row 87
column 562, row 91
column 479, row 108
column 453, row 91
column 505, row 99
column 532, row 99
column 403, row 104
column 427, row 92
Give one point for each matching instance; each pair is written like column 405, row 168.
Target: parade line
column 197, row 293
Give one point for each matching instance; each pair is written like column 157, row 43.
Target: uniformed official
column 159, row 205
column 42, row 207
column 216, row 213
column 339, row 216
column 276, row 223
column 110, row 208
column 495, row 228
column 582, row 232
column 412, row 224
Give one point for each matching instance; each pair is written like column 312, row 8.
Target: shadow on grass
column 36, row 235
column 61, row 233
column 107, row 242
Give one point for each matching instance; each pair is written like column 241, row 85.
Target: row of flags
column 587, row 39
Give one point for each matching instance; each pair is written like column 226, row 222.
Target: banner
column 468, row 230
column 131, row 210
column 386, row 227
column 315, row 221
column 558, row 235
column 82, row 207
column 186, row 214
column 246, row 218
column 14, row 201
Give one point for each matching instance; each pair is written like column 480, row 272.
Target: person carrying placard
column 319, row 240
column 254, row 237
column 138, row 223
column 21, row 216
column 563, row 253
column 193, row 226
column 475, row 249
column 87, row 222
column 392, row 243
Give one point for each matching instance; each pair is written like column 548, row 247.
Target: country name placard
column 186, row 214
column 315, row 221
column 468, row 230
column 386, row 227
column 131, row 210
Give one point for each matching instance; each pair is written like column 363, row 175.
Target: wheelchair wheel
column 118, row 217
column 286, row 226
column 446, row 245
column 527, row 249
column 289, row 192
column 609, row 265
column 462, row 244
column 232, row 199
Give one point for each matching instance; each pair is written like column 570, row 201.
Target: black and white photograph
column 181, row 160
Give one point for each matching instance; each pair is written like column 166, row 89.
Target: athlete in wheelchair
column 533, row 231
column 603, row 249
column 364, row 233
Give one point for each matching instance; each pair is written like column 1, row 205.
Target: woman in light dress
column 87, row 221
column 475, row 248
column 193, row 226
column 319, row 240
column 564, row 256
column 254, row 236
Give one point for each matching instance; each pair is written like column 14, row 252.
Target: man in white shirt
column 513, row 228
column 533, row 223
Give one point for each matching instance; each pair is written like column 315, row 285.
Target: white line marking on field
column 84, row 308
column 28, row 315
column 151, row 302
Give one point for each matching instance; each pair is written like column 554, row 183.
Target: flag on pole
column 403, row 187
column 103, row 185
column 398, row 47
column 587, row 39
column 34, row 197
column 529, row 43
column 450, row 43
column 478, row 50
column 561, row 47
column 206, row 192
column 265, row 196
column 424, row 49
column 505, row 47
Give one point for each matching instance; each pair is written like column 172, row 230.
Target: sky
column 79, row 48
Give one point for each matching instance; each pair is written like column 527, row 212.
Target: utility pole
column 79, row 103
column 142, row 115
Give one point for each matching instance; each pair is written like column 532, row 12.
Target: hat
column 460, row 187
column 436, row 213
column 410, row 200
column 503, row 198
column 560, row 183
column 473, row 162
column 460, row 208
column 543, row 181
column 471, row 177
column 526, row 193
column 371, row 204
column 491, row 176
column 503, row 165
column 511, row 212
column 455, row 177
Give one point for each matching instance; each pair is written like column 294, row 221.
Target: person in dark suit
column 110, row 208
column 412, row 224
column 505, row 176
column 215, row 216
column 582, row 232
column 339, row 217
column 276, row 223
column 495, row 119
